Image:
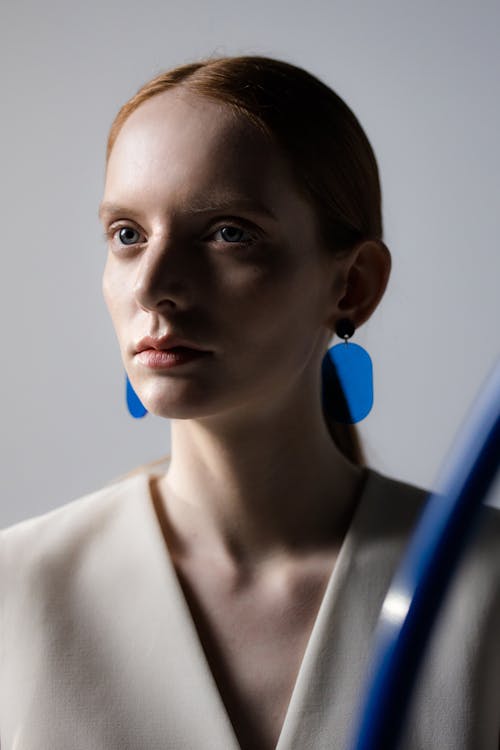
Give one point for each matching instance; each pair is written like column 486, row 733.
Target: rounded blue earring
column 347, row 373
column 134, row 404
column 347, row 378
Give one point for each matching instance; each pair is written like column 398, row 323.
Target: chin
column 194, row 404
column 177, row 411
column 234, row 411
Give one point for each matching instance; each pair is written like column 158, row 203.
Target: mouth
column 171, row 343
column 172, row 357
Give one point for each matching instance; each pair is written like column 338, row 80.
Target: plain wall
column 423, row 80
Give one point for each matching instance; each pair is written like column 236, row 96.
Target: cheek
column 113, row 293
column 270, row 304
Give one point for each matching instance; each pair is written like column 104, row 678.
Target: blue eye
column 229, row 232
column 125, row 235
column 128, row 236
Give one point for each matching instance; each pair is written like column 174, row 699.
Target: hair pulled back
column 328, row 152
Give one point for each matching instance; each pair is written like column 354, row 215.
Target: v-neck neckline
column 312, row 650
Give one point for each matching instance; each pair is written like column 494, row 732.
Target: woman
column 229, row 601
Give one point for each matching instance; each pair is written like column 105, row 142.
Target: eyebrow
column 109, row 209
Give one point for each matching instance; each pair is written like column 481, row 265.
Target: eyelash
column 229, row 223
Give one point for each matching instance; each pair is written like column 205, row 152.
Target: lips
column 170, row 358
column 167, row 343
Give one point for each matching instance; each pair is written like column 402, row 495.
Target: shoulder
column 38, row 545
column 474, row 594
column 393, row 509
column 406, row 500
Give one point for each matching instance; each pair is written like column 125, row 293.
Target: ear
column 366, row 270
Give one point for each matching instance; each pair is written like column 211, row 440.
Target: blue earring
column 347, row 374
column 134, row 405
column 347, row 378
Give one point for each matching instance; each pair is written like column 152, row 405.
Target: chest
column 254, row 642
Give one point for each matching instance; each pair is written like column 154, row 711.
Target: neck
column 270, row 486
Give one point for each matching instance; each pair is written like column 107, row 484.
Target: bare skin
column 257, row 497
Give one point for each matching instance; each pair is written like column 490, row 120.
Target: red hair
column 330, row 156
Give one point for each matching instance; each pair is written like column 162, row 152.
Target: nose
column 165, row 275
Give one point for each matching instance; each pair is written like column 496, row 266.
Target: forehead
column 176, row 116
column 182, row 144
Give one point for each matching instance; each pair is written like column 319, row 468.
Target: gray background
column 423, row 80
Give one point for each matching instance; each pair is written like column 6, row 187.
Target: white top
column 99, row 650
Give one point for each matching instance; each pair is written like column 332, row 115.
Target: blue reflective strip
column 442, row 535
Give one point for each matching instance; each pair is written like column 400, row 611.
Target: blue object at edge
column 445, row 529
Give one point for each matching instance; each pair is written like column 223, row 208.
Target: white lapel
column 170, row 678
column 171, row 696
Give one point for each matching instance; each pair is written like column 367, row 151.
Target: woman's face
column 219, row 249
